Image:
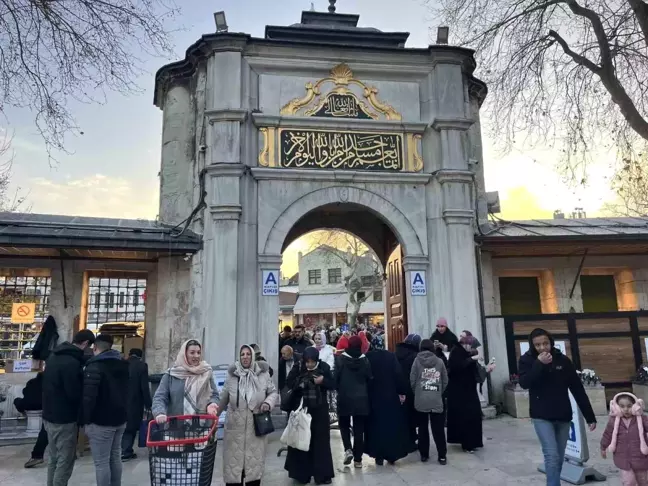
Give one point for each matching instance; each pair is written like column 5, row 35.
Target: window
column 377, row 296
column 314, row 277
column 115, row 299
column 598, row 293
column 361, row 295
column 368, row 281
column 519, row 295
column 335, row 275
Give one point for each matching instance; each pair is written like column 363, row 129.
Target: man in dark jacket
column 352, row 376
column 139, row 399
column 32, row 400
column 62, row 390
column 299, row 341
column 105, row 392
column 549, row 375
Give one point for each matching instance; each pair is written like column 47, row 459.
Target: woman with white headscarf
column 188, row 387
column 326, row 351
column 248, row 390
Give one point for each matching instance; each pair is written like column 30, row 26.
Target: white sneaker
column 348, row 457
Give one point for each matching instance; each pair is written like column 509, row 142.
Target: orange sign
column 23, row 313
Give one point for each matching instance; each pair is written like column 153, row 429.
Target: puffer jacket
column 628, row 446
column 242, row 449
column 352, row 376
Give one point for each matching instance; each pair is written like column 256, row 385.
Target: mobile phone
column 492, row 361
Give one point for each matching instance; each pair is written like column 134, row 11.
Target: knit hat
column 413, row 339
column 427, row 345
column 636, row 410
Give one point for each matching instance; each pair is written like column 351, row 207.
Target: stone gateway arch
column 317, row 125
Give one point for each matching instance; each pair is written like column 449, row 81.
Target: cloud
column 95, row 195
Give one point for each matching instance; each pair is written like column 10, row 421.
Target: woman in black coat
column 139, row 399
column 311, row 382
column 464, row 408
column 388, row 436
column 406, row 354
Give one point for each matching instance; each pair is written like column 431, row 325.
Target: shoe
column 380, row 462
column 469, row 451
column 443, row 461
column 348, row 457
column 326, row 481
column 424, row 459
column 129, row 457
column 33, row 462
column 357, row 464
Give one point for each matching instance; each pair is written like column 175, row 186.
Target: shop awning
column 372, row 308
column 321, row 304
column 333, row 303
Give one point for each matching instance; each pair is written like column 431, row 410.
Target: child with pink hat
column 625, row 438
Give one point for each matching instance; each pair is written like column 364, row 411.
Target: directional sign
column 270, row 282
column 418, row 285
column 23, row 313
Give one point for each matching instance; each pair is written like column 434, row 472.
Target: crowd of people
column 386, row 403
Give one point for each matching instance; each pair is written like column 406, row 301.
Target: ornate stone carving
column 351, row 106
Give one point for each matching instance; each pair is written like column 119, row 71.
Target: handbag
column 263, row 424
column 297, row 433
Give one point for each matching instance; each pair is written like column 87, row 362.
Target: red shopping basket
column 182, row 450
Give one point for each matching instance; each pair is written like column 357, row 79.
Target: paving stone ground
column 510, row 457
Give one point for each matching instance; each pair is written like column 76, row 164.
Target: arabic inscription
column 319, row 149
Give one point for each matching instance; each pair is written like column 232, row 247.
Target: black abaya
column 464, row 407
column 317, row 463
column 387, row 431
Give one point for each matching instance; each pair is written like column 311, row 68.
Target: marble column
column 267, row 331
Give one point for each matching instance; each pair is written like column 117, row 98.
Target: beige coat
column 242, row 449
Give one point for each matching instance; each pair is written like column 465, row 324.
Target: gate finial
column 331, row 8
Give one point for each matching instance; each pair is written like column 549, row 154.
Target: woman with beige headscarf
column 188, row 387
column 248, row 390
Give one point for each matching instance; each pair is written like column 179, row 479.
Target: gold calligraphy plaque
column 324, row 149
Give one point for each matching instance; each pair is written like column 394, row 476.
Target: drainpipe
column 482, row 313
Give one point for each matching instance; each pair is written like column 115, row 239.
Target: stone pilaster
column 220, row 262
column 268, row 322
column 418, row 316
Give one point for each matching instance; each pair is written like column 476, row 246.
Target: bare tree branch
column 54, row 52
column 565, row 74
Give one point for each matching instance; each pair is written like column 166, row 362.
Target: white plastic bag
column 297, row 433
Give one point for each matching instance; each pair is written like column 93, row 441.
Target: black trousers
column 437, row 423
column 359, row 427
column 128, row 439
column 38, row 452
column 249, row 483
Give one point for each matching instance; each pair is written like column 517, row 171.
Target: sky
column 113, row 167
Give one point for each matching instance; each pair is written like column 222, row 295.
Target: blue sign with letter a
column 417, row 283
column 270, row 282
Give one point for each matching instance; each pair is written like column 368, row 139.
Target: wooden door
column 396, row 318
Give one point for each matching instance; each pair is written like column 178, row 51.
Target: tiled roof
column 566, row 229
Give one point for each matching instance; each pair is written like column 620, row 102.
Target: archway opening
column 342, row 270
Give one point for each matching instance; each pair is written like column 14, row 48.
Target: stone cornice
column 415, row 262
column 262, row 120
column 454, row 175
column 458, row 216
column 226, row 211
column 233, row 115
column 262, row 173
column 451, row 123
column 225, row 170
column 269, row 261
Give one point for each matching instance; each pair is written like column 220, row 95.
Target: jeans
column 62, row 443
column 127, row 442
column 437, row 423
column 38, row 452
column 359, row 422
column 105, row 444
column 553, row 438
